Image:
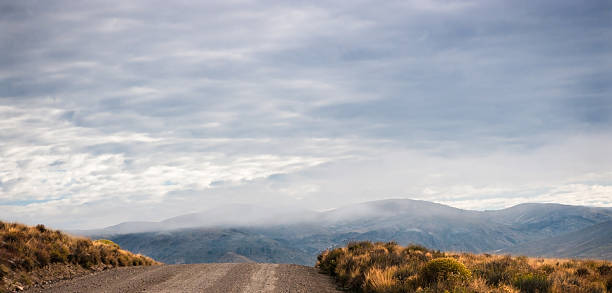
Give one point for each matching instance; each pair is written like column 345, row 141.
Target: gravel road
column 217, row 277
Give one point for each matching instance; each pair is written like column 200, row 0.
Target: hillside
column 591, row 242
column 208, row 245
column 34, row 255
column 301, row 238
column 387, row 267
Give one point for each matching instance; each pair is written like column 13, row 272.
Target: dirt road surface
column 218, row 277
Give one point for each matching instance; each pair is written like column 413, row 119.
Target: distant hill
column 206, row 245
column 546, row 219
column 297, row 236
column 591, row 242
column 227, row 216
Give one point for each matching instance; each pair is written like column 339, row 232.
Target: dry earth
column 217, row 277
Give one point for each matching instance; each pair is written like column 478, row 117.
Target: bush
column 41, row 228
column 547, row 269
column 498, row 271
column 444, row 269
column 107, row 242
column 582, row 272
column 387, row 267
column 42, row 256
column 360, row 247
column 328, row 260
column 25, row 248
column 417, row 247
column 3, row 271
column 604, row 269
column 532, row 283
column 380, row 280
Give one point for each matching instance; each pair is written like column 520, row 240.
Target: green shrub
column 532, row 283
column 444, row 269
column 108, row 242
column 58, row 254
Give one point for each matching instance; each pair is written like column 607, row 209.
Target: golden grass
column 24, row 249
column 390, row 268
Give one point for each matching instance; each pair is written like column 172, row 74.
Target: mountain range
column 242, row 233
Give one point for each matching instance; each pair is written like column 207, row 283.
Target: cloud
column 148, row 110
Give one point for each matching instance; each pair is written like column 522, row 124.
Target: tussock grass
column 390, row 268
column 24, row 249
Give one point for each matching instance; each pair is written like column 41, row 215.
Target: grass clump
column 391, row 268
column 24, row 249
column 532, row 283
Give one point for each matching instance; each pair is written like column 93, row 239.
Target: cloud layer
column 145, row 110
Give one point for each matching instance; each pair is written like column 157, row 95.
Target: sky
column 115, row 111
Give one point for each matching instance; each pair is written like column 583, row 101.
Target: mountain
column 227, row 216
column 209, row 245
column 297, row 236
column 545, row 220
column 591, row 242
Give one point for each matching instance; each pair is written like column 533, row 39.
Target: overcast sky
column 142, row 110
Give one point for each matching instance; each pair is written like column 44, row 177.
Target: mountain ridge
column 406, row 221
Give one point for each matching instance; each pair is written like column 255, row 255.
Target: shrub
column 604, row 269
column 107, row 242
column 388, row 267
column 444, row 269
column 359, row 247
column 328, row 260
column 3, row 271
column 417, row 247
column 42, row 256
column 498, row 271
column 25, row 248
column 41, row 228
column 58, row 254
column 582, row 272
column 532, row 283
column 547, row 269
column 380, row 280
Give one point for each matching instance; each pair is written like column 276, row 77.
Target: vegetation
column 389, row 268
column 24, row 249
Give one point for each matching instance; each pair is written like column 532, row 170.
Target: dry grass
column 390, row 268
column 24, row 249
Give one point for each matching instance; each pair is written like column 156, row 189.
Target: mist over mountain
column 251, row 233
column 591, row 242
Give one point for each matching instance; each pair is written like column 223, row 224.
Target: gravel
column 216, row 277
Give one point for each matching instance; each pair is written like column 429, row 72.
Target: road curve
column 217, row 277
